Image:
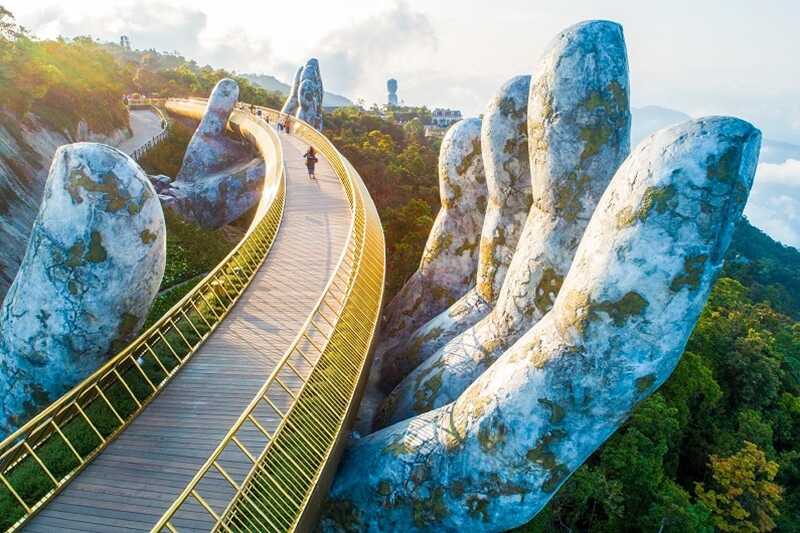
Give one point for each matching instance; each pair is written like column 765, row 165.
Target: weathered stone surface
column 504, row 145
column 26, row 150
column 209, row 151
column 310, row 94
column 492, row 459
column 93, row 265
column 578, row 134
column 220, row 179
column 449, row 260
column 291, row 104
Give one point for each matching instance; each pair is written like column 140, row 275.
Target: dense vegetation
column 65, row 81
column 717, row 446
column 399, row 166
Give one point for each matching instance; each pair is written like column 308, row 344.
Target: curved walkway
column 145, row 124
column 130, row 485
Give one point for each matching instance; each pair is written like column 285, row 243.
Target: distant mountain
column 652, row 118
column 271, row 83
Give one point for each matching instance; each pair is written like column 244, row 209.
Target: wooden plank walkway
column 130, row 485
column 145, row 124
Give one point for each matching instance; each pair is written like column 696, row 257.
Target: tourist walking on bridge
column 311, row 161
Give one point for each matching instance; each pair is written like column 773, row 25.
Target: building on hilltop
column 444, row 118
column 124, row 42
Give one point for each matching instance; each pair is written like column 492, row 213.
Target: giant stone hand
column 220, row 179
column 493, row 458
column 92, row 268
column 578, row 134
column 504, row 145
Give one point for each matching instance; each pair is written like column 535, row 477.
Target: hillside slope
column 271, row 83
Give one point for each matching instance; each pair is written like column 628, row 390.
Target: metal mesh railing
column 273, row 466
column 48, row 451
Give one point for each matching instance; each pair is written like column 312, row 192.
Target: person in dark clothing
column 311, row 161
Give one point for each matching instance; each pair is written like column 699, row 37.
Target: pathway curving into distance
column 130, row 485
column 301, row 331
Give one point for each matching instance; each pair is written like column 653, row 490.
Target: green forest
column 64, row 81
column 714, row 449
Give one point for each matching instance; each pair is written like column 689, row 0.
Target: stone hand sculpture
column 290, row 106
column 578, row 134
column 219, row 179
column 447, row 269
column 493, row 458
column 92, row 268
column 310, row 94
column 504, row 145
column 449, row 261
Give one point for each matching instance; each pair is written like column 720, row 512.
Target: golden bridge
column 230, row 413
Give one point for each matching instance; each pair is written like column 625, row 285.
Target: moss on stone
column 492, row 434
column 478, row 507
column 632, row 304
column 147, row 236
column 644, row 383
column 658, row 199
column 426, row 392
column 569, row 195
column 75, row 255
column 344, row 514
column 73, row 287
column 116, row 196
column 384, row 487
column 96, row 252
column 557, row 412
column 462, row 167
column 693, row 267
column 431, row 510
column 594, row 138
column 726, row 168
column 547, row 290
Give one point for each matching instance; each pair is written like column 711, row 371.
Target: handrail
column 63, row 438
column 321, row 377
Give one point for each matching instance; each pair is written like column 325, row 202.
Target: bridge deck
column 130, row 484
column 145, row 124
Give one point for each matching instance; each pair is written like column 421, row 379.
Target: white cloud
column 786, row 173
column 358, row 58
column 774, row 204
column 160, row 25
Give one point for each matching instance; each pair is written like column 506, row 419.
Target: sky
column 701, row 57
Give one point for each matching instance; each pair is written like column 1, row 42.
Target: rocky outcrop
column 578, row 134
column 291, row 104
column 220, row 179
column 310, row 94
column 27, row 145
column 91, row 270
column 504, row 145
column 492, row 459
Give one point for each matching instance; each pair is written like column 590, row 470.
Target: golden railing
column 273, row 468
column 46, row 453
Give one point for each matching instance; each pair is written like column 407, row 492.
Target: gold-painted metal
column 200, row 311
column 291, row 472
